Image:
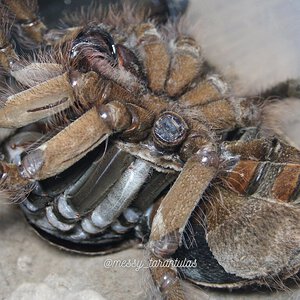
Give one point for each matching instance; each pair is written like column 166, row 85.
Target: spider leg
column 251, row 219
column 165, row 73
column 22, row 19
column 30, row 28
column 151, row 47
column 210, row 99
column 230, row 113
column 37, row 102
column 205, row 91
column 173, row 214
column 69, row 145
column 221, row 113
column 11, row 63
column 35, row 73
column 185, row 65
column 7, row 57
column 72, row 143
column 50, row 92
column 7, row 53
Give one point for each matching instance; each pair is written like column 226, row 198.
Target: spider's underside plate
column 97, row 245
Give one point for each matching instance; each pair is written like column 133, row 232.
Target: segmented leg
column 173, row 214
column 175, row 68
column 206, row 98
column 37, row 102
column 170, row 67
column 30, row 29
column 71, row 144
column 155, row 55
column 185, row 65
column 8, row 55
column 227, row 114
column 74, row 142
column 67, row 147
column 207, row 90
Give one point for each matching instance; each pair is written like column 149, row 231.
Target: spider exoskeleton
column 120, row 131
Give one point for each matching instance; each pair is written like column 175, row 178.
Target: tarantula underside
column 119, row 131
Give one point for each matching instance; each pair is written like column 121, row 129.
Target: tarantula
column 120, row 131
